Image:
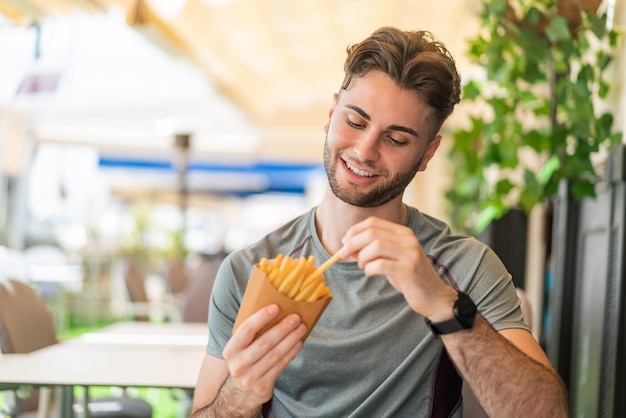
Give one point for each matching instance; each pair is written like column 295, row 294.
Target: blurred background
column 152, row 128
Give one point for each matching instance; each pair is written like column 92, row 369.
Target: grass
column 166, row 403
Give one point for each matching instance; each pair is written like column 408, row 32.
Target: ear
column 331, row 110
column 430, row 152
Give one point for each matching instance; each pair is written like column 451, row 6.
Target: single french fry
column 310, row 269
column 310, row 278
column 319, row 291
column 291, row 278
column 321, row 269
column 274, row 265
column 305, row 291
column 284, row 263
column 303, row 272
column 292, row 282
column 272, row 276
column 281, row 271
column 263, row 264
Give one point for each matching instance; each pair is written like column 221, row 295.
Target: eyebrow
column 392, row 127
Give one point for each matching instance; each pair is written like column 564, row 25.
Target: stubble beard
column 381, row 194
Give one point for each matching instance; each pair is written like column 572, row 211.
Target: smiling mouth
column 358, row 171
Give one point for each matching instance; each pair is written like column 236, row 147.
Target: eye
column 353, row 124
column 396, row 142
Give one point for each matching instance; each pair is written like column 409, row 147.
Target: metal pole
column 182, row 144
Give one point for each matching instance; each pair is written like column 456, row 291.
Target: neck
column 333, row 217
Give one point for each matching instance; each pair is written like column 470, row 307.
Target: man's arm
column 213, row 374
column 240, row 384
column 507, row 370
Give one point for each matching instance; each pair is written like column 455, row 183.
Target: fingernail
column 272, row 309
column 294, row 319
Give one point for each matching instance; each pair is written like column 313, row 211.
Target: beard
column 378, row 196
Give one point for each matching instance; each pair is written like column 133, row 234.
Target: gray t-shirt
column 369, row 355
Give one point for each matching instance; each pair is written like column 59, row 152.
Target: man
column 402, row 321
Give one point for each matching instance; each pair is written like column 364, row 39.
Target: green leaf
column 503, row 187
column 532, row 45
column 537, row 140
column 471, row 90
column 613, row 38
column 508, row 153
column 604, row 125
column 492, row 154
column 531, row 193
column 496, row 7
column 598, row 24
column 533, row 16
column 529, row 198
column 603, row 89
column 530, row 180
column 551, row 188
column 489, row 214
column 615, row 139
column 583, row 188
column 603, row 60
column 557, row 29
column 549, row 168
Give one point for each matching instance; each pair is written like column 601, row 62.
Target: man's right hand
column 255, row 364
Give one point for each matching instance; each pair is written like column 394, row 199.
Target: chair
column 193, row 301
column 134, row 278
column 137, row 301
column 26, row 325
column 177, row 276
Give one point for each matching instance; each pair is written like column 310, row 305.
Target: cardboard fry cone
column 261, row 293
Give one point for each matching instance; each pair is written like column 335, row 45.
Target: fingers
column 283, row 352
column 384, row 248
column 271, row 347
column 254, row 364
column 247, row 331
column 375, row 240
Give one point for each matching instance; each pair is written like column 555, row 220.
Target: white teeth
column 358, row 171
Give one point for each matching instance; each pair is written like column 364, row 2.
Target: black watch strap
column 464, row 317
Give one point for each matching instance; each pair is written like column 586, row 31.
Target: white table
column 137, row 354
column 144, row 335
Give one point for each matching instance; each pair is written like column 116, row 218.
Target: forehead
column 385, row 102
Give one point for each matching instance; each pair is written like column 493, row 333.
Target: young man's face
column 377, row 139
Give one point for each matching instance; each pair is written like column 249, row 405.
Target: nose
column 367, row 145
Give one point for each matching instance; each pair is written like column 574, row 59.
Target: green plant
column 135, row 243
column 535, row 117
column 177, row 250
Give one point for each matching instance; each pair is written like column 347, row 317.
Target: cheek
column 407, row 161
column 337, row 134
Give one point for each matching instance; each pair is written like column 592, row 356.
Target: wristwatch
column 464, row 316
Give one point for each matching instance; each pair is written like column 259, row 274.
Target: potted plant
column 536, row 118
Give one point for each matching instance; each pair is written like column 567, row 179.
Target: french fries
column 298, row 278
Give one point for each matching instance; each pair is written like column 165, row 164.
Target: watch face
column 464, row 317
column 465, row 310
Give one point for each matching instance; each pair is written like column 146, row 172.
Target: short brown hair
column 416, row 61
